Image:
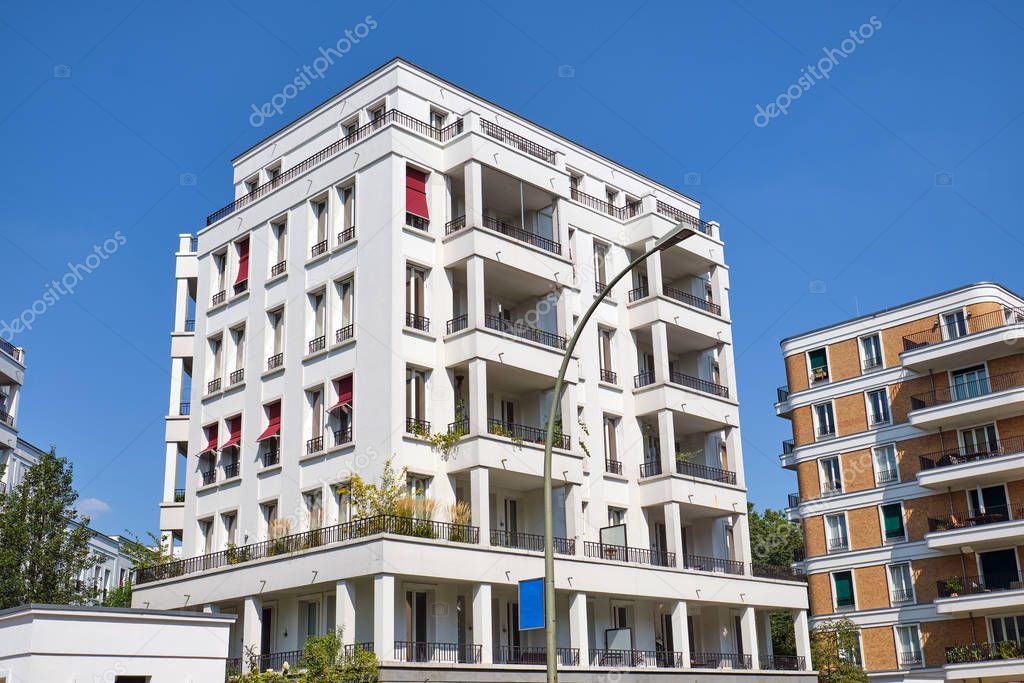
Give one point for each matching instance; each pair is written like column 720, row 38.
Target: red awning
column 344, row 393
column 243, row 261
column 211, row 439
column 274, row 427
column 235, row 429
column 416, row 193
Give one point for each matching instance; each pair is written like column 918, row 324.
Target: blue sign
column 531, row 604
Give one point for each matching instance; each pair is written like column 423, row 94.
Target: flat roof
column 126, row 611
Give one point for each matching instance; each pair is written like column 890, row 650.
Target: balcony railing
column 638, row 293
column 967, row 390
column 720, row 565
column 209, row 477
column 871, row 363
column 417, row 426
column 417, row 322
column 612, row 466
column 517, row 141
column 275, row 361
column 344, row 333
column 460, row 426
column 768, row 571
column 278, row 268
column 782, row 393
column 454, row 225
column 237, row 376
column 505, row 654
column 691, row 300
column 347, row 235
column 351, row 649
column 887, row 476
column 609, row 376
column 901, row 596
column 527, row 433
column 318, row 344
column 794, row 500
column 517, row 233
column 342, row 436
column 275, row 661
column 838, row 543
column 418, row 222
column 651, row 468
column 526, row 332
column 315, row 445
column 985, row 652
column 682, row 217
column 621, row 553
column 788, row 446
column 271, row 458
column 699, row 384
column 782, row 662
column 630, row 210
column 958, row 456
column 973, row 324
column 965, row 519
column 599, row 286
column 445, row 653
column 219, row 298
column 521, row 541
column 319, row 249
column 831, row 488
column 231, row 471
column 213, row 386
column 636, row 659
column 643, row 379
column 720, row 660
column 179, row 495
column 356, row 529
column 910, row 658
column 456, row 324
column 694, row 469
column 391, row 116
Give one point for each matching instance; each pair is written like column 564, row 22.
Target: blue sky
column 890, row 179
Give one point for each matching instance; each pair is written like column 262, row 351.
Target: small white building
column 60, row 643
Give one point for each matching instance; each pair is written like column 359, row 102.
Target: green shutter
column 893, row 519
column 844, row 589
column 818, row 359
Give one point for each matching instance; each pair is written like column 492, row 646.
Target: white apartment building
column 403, row 263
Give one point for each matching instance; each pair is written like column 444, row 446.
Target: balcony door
column 988, row 504
column 416, row 618
column 512, row 520
column 954, row 325
column 267, row 631
column 998, row 569
column 979, row 440
column 970, row 382
column 514, row 639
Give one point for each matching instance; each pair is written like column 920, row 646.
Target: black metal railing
column 231, row 471
column 418, row 222
column 517, row 233
column 351, row 649
column 901, row 596
column 417, row 426
column 838, row 543
column 444, row 653
column 629, row 210
column 788, row 445
column 720, row 660
column 972, row 324
column 342, row 436
column 241, row 286
column 694, row 469
column 609, row 376
column 344, row 333
column 318, row 344
column 278, row 268
column 275, row 361
column 698, row 384
column 781, row 573
column 236, row 376
column 680, row 217
column 794, row 500
column 782, row 662
column 190, row 325
column 213, row 385
column 347, row 235
column 636, row 659
column 527, row 433
column 599, row 286
column 703, row 563
column 6, row 418
column 185, row 408
column 275, row 661
column 319, row 249
column 506, row 654
column 179, row 495
column 454, row 225
column 967, row 390
column 651, row 468
column 209, row 477
column 417, row 322
column 638, row 293
column 887, row 476
column 271, row 458
column 315, row 445
column 871, row 363
column 526, row 332
column 966, row 519
column 621, row 553
column 456, row 324
column 356, row 529
column 958, row 456
column 460, row 426
column 643, row 379
column 613, row 466
column 691, row 300
column 388, row 117
column 517, row 141
column 985, row 652
column 782, row 393
column 219, row 298
column 521, row 541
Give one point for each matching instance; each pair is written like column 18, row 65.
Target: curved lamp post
column 679, row 233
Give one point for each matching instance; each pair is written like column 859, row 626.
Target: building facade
column 395, row 282
column 908, row 444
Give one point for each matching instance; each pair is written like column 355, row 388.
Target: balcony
column 279, row 269
column 997, row 592
column 782, row 663
column 694, row 323
column 838, row 544
column 637, row 659
column 971, row 341
column 517, row 233
column 11, row 350
column 344, row 334
column 534, row 542
column 271, row 458
column 314, row 445
column 612, row 466
column 703, row 563
column 517, row 141
column 342, row 436
column 440, row 653
column 537, row 656
column 720, row 660
column 236, row 377
column 998, row 525
column 317, row 344
column 417, row 322
column 276, row 361
column 346, row 235
column 630, row 210
column 982, row 400
column 1008, row 653
column 319, row 249
column 521, row 331
column 6, row 418
column 525, row 433
column 232, row 470
column 209, row 477
column 961, row 467
column 609, row 376
column 621, row 553
column 697, row 384
column 417, row 427
column 213, row 386
column 219, row 298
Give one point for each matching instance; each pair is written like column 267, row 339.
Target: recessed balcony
column 971, row 340
column 986, row 399
column 965, row 467
column 999, row 661
column 998, row 592
column 999, row 525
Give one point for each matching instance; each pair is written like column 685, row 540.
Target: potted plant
column 953, row 586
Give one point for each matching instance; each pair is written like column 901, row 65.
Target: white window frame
column 846, row 528
column 988, row 625
column 818, row 436
column 943, row 332
column 881, row 522
column 960, row 432
column 910, row 572
column 810, row 371
column 821, row 475
column 896, row 462
column 853, row 589
column 869, row 408
column 863, row 358
column 896, row 640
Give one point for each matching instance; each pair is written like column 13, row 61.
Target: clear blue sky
column 895, row 177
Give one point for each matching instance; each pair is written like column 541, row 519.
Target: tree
column 142, row 556
column 834, row 650
column 777, row 542
column 44, row 546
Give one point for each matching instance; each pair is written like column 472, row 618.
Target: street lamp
column 676, row 235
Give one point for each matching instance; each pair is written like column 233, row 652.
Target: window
column 377, row 113
column 987, row 504
column 273, row 172
column 908, row 646
column 347, row 204
column 346, row 299
column 893, row 530
column 1007, row 628
column 979, row 441
column 604, row 339
column 270, row 436
column 220, row 273
column 835, row 530
column 824, row 419
column 319, row 207
column 842, row 583
column 818, row 362
column 437, row 118
column 342, row 411
column 216, row 363
column 230, row 448
column 575, row 184
column 600, row 265
column 229, row 520
column 878, row 407
column 276, row 338
column 969, row 383
column 415, row 279
column 852, row 652
column 416, row 213
column 415, row 395
column 954, row 325
column 417, row 487
column 343, row 500
column 206, row 535
column 313, row 501
column 831, row 476
column 238, row 339
column 268, row 511
column 870, row 352
column 610, row 196
column 611, row 450
column 616, row 516
column 349, row 127
column 886, row 469
column 279, row 232
column 242, row 279
column 318, row 324
column 901, row 585
column 315, row 401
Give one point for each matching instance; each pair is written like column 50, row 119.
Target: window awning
column 416, row 193
column 274, row 426
column 344, row 393
column 211, row 439
column 243, row 261
column 235, row 432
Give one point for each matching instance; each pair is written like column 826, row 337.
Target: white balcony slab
column 176, row 429
column 702, row 495
column 699, row 329
column 172, row 516
column 998, row 671
column 11, row 371
column 183, row 345
column 964, row 351
column 186, row 265
column 506, row 349
column 991, row 602
column 501, row 453
column 978, row 537
column 700, row 410
column 976, row 473
column 987, row 408
column 8, row 435
column 500, row 248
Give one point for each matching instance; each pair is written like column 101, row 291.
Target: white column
column 170, row 470
column 741, row 538
column 482, row 621
column 803, row 638
column 673, row 530
column 578, row 636
column 475, row 292
column 252, row 625
column 177, row 378
column 477, row 396
column 181, row 304
column 345, row 611
column 474, row 188
column 384, row 616
column 681, row 631
column 659, row 339
column 654, row 269
column 748, row 624
column 766, row 634
column 562, row 227
column 667, row 438
column 574, row 514
column 720, row 288
column 480, row 501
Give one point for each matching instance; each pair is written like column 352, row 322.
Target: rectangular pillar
column 674, row 531
column 659, row 340
column 252, row 627
column 473, row 185
column 654, row 276
column 803, row 638
column 171, row 458
column 681, row 631
column 574, row 524
column 475, row 292
column 578, row 636
column 482, row 635
column 748, row 624
column 345, row 611
column 384, row 616
column 478, row 396
column 480, row 502
column 667, row 441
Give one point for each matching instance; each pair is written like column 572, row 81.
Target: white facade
column 436, row 253
column 61, row 643
column 14, row 456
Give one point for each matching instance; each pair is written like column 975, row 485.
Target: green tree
column 44, row 546
column 834, row 648
column 142, row 556
column 775, row 541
